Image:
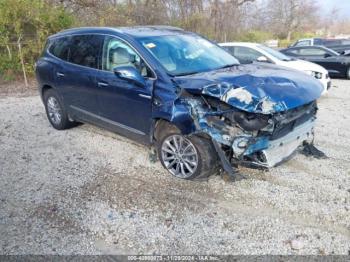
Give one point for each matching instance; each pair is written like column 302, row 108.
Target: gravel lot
column 88, row 191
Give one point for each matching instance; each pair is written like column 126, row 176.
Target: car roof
column 134, row 31
column 248, row 44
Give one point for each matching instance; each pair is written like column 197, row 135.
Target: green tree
column 24, row 26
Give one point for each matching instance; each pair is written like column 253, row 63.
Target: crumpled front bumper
column 283, row 148
column 280, row 150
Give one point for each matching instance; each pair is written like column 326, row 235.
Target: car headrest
column 119, row 55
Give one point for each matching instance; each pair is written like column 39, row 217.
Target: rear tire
column 186, row 157
column 55, row 111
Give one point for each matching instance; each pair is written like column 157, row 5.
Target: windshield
column 187, row 54
column 275, row 53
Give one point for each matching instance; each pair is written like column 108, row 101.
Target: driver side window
column 117, row 53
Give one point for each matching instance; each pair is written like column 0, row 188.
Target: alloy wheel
column 54, row 110
column 179, row 156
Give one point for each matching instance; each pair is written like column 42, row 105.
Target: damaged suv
column 183, row 94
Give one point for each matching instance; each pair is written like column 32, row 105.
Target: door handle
column 145, row 96
column 102, row 84
column 59, row 74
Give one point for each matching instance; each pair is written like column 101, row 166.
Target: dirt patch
column 17, row 88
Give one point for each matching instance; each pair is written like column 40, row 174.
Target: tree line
column 25, row 24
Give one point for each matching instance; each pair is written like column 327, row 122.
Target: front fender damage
column 251, row 139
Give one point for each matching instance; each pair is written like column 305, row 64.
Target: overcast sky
column 343, row 6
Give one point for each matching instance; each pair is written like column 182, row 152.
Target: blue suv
column 180, row 92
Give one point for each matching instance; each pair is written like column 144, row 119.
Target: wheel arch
column 185, row 126
column 43, row 89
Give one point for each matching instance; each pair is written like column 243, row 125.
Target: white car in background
column 250, row 52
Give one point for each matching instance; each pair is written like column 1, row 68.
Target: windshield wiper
column 197, row 72
column 227, row 66
column 187, row 73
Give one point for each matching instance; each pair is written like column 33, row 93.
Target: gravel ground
column 88, row 191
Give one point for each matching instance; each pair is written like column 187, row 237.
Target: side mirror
column 262, row 59
column 130, row 73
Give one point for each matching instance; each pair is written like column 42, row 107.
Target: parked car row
column 336, row 64
column 341, row 46
column 183, row 94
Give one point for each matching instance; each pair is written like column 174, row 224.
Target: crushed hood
column 255, row 88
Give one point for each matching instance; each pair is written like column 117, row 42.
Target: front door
column 124, row 106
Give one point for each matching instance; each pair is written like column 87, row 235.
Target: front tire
column 189, row 157
column 55, row 111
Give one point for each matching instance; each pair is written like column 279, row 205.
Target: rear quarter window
column 60, row 48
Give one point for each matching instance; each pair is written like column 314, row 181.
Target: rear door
column 76, row 77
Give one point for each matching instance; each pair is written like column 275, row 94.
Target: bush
column 28, row 22
column 255, row 36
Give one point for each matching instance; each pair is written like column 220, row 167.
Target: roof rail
column 160, row 27
column 89, row 27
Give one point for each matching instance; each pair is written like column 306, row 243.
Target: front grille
column 292, row 118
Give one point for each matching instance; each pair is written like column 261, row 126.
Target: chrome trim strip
column 109, row 121
column 102, row 84
column 145, row 96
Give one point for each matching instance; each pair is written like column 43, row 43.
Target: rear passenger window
column 60, row 48
column 312, row 52
column 85, row 50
